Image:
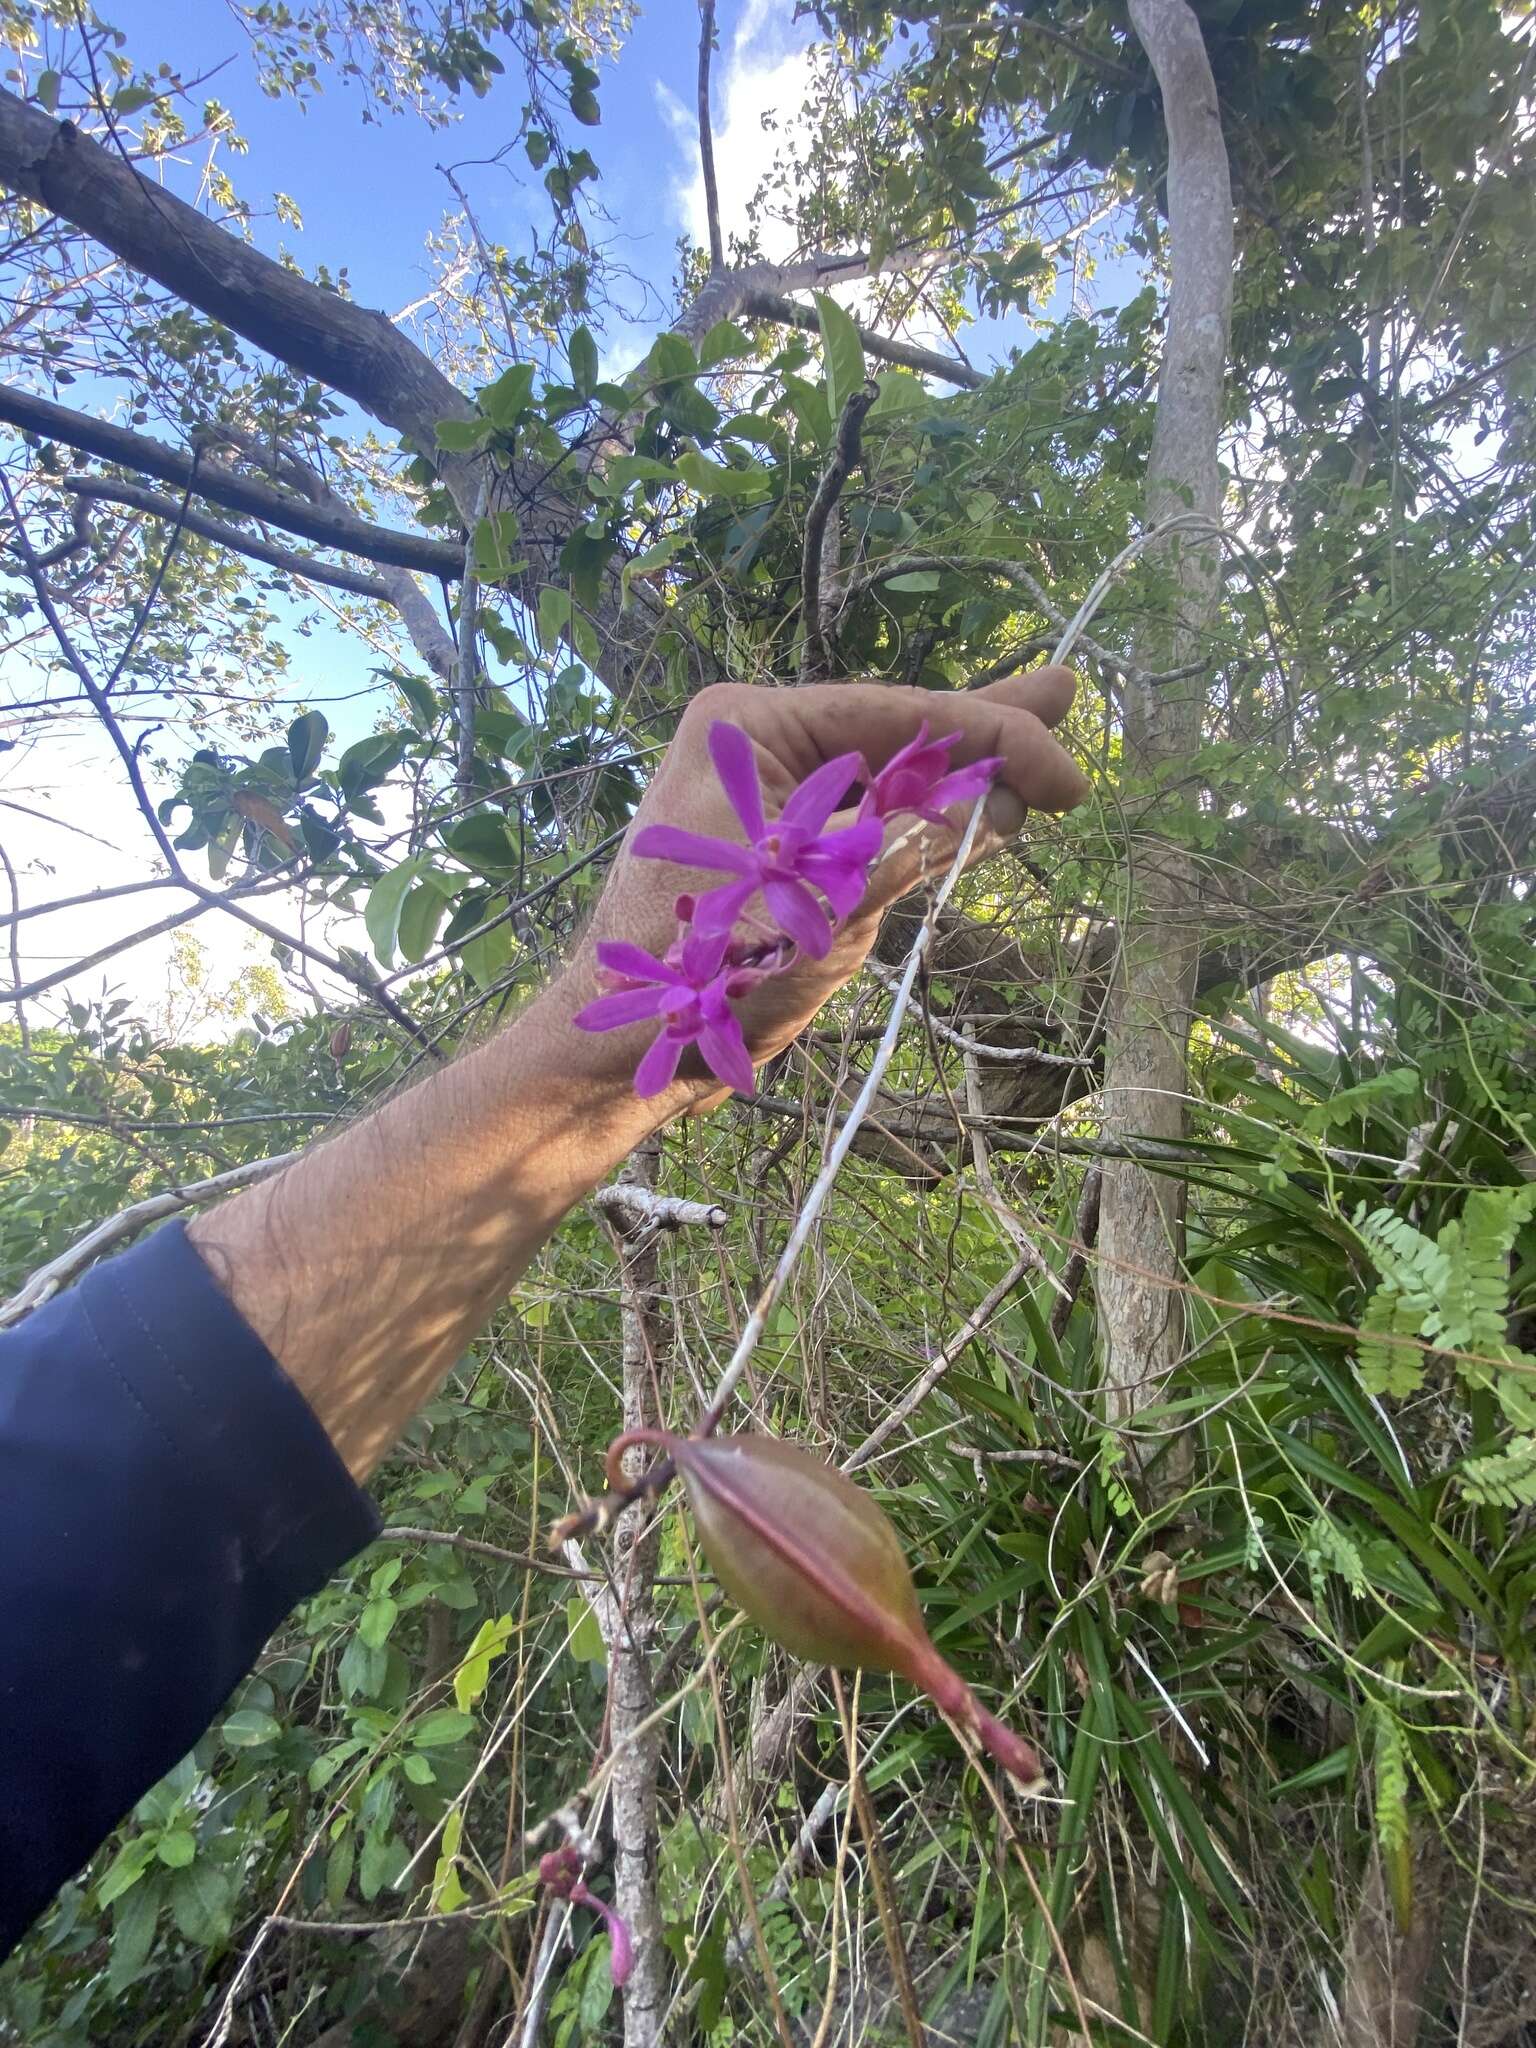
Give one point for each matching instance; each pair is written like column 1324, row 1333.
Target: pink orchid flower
column 788, row 860
column 690, row 992
column 920, row 779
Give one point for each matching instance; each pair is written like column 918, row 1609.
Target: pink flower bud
column 820, row 1568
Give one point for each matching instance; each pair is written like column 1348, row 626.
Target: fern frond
column 1503, row 1479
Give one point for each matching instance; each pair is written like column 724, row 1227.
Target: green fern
column 1389, row 1756
column 1502, row 1479
column 1452, row 1291
column 1327, row 1549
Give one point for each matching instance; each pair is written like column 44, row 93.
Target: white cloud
column 763, row 68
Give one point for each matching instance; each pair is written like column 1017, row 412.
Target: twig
column 1002, row 1055
column 1084, row 1234
column 627, row 1203
column 42, row 1285
column 921, row 1388
column 815, row 652
column 403, row 1532
column 706, row 137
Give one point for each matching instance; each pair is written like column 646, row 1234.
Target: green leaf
column 842, row 353
column 724, row 339
column 382, row 1863
column 133, row 1934
column 48, row 90
column 177, row 1849
column 484, row 957
column 536, row 146
column 419, row 1771
column 484, row 841
column 586, row 1638
column 250, row 1729
column 717, row 480
column 443, row 1725
column 126, row 1868
column 462, row 437
column 386, row 900
column 505, row 400
column 474, row 1672
column 421, row 915
column 128, row 99
column 338, row 1870
column 671, row 356
column 306, row 743
column 554, row 616
column 377, row 1619
column 584, row 362
column 585, row 108
column 201, row 1897
column 914, row 582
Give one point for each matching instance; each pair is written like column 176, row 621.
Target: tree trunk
column 1152, row 994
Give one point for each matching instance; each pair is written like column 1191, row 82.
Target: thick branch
column 327, row 527
column 351, row 348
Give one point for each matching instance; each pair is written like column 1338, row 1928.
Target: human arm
column 367, row 1267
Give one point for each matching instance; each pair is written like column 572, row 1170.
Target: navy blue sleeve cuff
column 166, row 1497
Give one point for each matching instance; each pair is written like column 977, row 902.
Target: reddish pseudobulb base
column 819, row 1568
column 807, row 878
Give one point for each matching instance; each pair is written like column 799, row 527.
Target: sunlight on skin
column 370, row 1265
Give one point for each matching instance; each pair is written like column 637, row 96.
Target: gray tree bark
column 1152, row 990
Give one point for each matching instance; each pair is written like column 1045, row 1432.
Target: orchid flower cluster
column 808, row 880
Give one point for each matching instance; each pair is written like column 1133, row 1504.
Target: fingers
column 1008, row 719
column 1047, row 692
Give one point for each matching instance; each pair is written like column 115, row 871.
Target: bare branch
column 816, row 651
column 630, row 1203
column 706, row 136
column 222, row 486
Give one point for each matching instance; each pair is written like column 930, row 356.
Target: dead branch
column 816, row 650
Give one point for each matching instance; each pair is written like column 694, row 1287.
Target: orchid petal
column 657, row 1068
column 702, row 954
column 736, row 765
column 823, row 789
column 725, row 1054
column 842, row 882
column 633, row 963
column 857, row 844
column 691, row 849
column 611, row 1013
column 796, row 912
column 965, row 784
column 719, row 909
